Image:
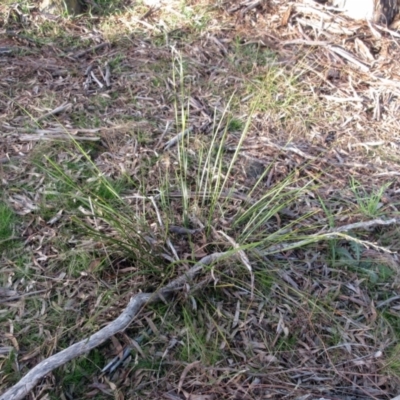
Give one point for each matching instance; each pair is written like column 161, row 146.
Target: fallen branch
column 332, row 234
column 30, row 380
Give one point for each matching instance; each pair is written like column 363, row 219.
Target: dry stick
column 58, row 136
column 4, row 160
column 177, row 138
column 335, row 49
column 107, row 78
column 366, row 224
column 6, row 50
column 58, row 110
column 349, row 57
column 331, row 234
column 29, row 381
column 91, row 49
column 18, row 296
column 96, row 80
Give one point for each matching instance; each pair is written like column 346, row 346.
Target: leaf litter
column 310, row 327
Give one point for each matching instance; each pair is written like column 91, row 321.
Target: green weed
column 7, row 225
column 369, row 203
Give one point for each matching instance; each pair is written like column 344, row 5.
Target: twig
column 6, row 350
column 387, row 301
column 366, row 224
column 6, row 50
column 160, row 222
column 30, row 380
column 349, row 57
column 331, row 234
column 252, row 5
column 168, row 124
column 91, row 49
column 120, row 358
column 5, row 160
column 107, row 77
column 176, row 138
column 96, row 80
column 56, row 136
column 17, row 297
column 58, row 110
column 180, row 230
column 335, row 49
column 242, row 256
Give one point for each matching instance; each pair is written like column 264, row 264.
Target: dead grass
column 286, row 141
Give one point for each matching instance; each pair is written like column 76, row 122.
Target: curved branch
column 30, row 380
